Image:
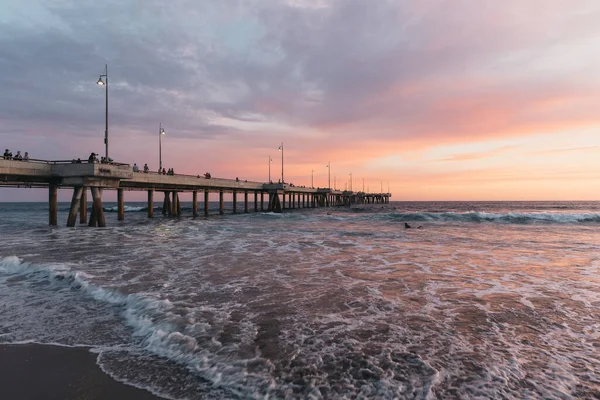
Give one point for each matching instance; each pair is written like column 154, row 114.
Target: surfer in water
column 407, row 226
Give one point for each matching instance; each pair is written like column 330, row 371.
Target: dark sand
column 33, row 371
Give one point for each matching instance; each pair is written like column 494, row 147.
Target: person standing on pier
column 7, row 154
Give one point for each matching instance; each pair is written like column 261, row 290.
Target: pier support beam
column 282, row 206
column 195, row 203
column 274, row 203
column 262, row 201
column 52, row 205
column 97, row 217
column 75, row 204
column 167, row 210
column 206, row 203
column 150, row 203
column 255, row 201
column 121, row 205
column 245, row 201
column 234, row 202
column 221, row 203
column 174, row 205
column 83, row 206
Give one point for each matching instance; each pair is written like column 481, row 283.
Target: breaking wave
column 502, row 218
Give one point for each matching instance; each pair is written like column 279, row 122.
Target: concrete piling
column 83, row 206
column 206, row 203
column 53, row 205
column 120, row 205
column 75, row 205
column 195, row 203
column 150, row 203
column 221, row 203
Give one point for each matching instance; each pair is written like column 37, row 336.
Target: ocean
column 486, row 300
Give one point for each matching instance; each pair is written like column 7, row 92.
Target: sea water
column 485, row 300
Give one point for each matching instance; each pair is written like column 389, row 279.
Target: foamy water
column 487, row 300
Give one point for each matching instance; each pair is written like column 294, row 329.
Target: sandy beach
column 32, row 371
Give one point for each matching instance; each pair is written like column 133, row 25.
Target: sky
column 429, row 99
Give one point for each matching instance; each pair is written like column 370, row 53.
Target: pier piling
column 52, row 205
column 75, row 205
column 221, row 203
column 206, row 203
column 195, row 203
column 120, row 205
column 83, row 206
column 150, row 203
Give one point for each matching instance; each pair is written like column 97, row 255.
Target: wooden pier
column 120, row 177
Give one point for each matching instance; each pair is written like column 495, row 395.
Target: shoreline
column 39, row 371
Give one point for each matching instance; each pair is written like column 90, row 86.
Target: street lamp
column 105, row 84
column 329, row 174
column 334, row 178
column 350, row 181
column 312, row 179
column 270, row 161
column 281, row 149
column 363, row 184
column 161, row 132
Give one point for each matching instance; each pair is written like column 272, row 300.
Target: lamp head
column 162, row 131
column 100, row 82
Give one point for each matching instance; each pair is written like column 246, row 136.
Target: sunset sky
column 440, row 99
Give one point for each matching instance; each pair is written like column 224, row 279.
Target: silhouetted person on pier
column 77, row 162
column 26, row 157
column 6, row 154
column 135, row 168
column 92, row 158
column 237, row 179
column 18, row 156
column 164, row 172
column 146, row 168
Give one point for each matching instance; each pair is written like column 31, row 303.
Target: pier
column 97, row 177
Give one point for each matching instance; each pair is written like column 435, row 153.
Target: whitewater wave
column 127, row 209
column 503, row 218
column 156, row 323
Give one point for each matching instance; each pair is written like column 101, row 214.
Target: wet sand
column 32, row 371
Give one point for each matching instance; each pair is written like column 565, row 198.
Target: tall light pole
column 329, row 174
column 350, row 180
column 161, row 132
column 281, row 149
column 388, row 187
column 105, row 84
column 312, row 178
column 270, row 161
column 363, row 184
column 334, row 178
column 381, row 191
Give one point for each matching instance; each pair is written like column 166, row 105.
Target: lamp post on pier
column 329, row 174
column 350, row 180
column 334, row 178
column 105, row 84
column 312, row 178
column 161, row 132
column 363, row 184
column 270, row 161
column 281, row 149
